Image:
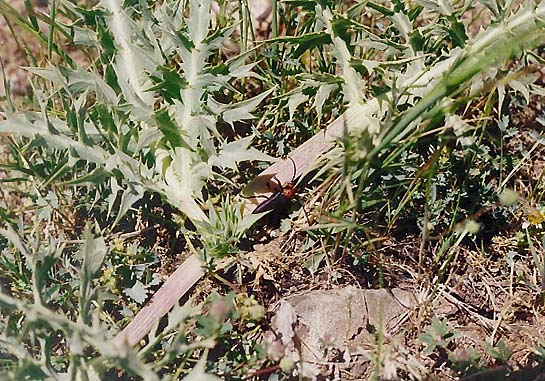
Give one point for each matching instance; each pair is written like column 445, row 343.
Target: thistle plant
column 150, row 123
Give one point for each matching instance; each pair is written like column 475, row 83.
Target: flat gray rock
column 328, row 327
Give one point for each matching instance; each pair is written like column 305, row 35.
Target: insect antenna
column 294, row 169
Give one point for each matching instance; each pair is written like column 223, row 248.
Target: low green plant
column 465, row 361
column 540, row 350
column 438, row 335
column 500, row 352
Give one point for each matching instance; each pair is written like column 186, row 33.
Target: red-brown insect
column 281, row 196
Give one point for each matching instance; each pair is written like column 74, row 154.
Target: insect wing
column 275, row 202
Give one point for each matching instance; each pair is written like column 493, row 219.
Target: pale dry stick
column 523, row 161
column 189, row 273
column 176, row 286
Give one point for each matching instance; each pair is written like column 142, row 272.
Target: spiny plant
column 148, row 115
